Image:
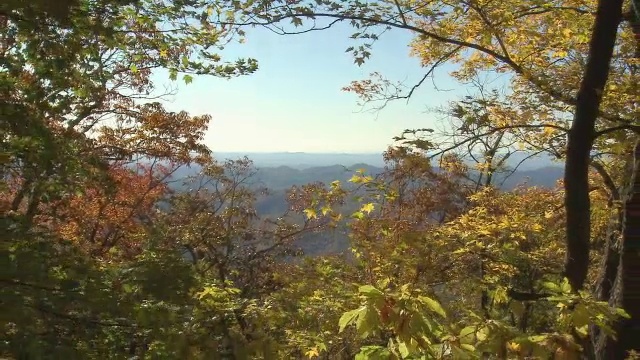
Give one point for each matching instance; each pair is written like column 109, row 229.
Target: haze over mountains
column 279, row 171
column 303, row 160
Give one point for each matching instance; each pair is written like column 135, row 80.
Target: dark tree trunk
column 605, row 286
column 629, row 269
column 580, row 140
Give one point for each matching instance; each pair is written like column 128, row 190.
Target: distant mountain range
column 279, row 179
column 280, row 171
column 302, row 160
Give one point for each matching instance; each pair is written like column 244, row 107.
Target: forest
column 110, row 250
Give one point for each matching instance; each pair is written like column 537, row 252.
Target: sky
column 294, row 102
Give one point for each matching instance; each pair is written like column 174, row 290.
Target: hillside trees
column 80, row 260
column 559, row 54
column 457, row 272
column 71, row 87
column 101, row 258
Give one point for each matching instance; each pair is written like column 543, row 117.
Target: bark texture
column 580, row 140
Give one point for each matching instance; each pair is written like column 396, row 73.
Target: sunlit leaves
column 78, row 82
column 433, row 305
column 103, row 219
column 422, row 235
column 311, row 353
column 310, row 213
column 351, row 316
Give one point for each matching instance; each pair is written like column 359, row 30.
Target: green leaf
column 583, row 331
column 349, row 317
column 537, row 338
column 382, row 284
column 127, row 288
column 133, row 68
column 433, row 305
column 581, row 316
column 621, row 312
column 551, row 286
column 370, row 291
column 188, row 79
column 468, row 347
column 173, row 74
column 467, row 335
column 367, row 323
column 358, row 215
column 403, row 349
column 373, row 352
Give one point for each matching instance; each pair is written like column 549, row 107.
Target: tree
column 548, row 47
column 67, row 83
column 442, row 264
column 451, row 271
column 77, row 109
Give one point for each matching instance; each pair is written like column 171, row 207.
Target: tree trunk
column 580, row 141
column 628, row 291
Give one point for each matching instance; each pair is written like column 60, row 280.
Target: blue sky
column 295, row 103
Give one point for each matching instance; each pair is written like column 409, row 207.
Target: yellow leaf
column 515, row 347
column 561, row 53
column 311, row 213
column 312, row 353
column 368, row 208
column 485, row 232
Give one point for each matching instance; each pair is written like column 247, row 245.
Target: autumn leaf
column 368, row 208
column 311, row 353
column 310, row 213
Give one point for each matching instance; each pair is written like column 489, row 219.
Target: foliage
column 106, row 253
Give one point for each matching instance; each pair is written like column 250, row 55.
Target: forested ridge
column 109, row 249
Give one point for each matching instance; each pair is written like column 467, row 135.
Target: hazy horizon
column 310, row 159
